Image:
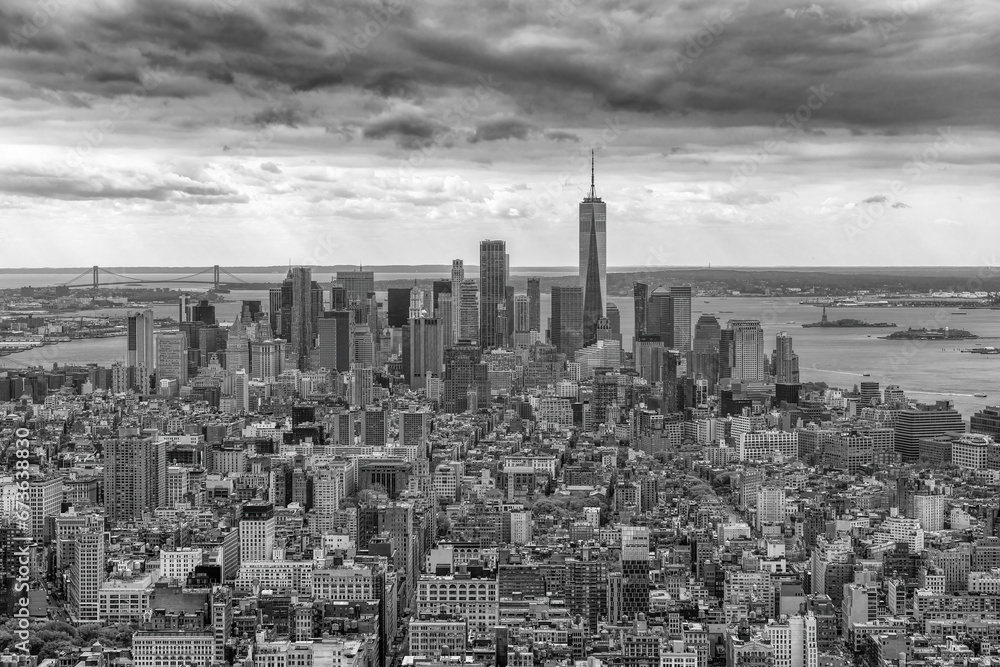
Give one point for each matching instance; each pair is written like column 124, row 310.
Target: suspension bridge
column 97, row 277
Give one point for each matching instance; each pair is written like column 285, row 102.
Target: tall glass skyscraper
column 534, row 304
column 681, row 296
column 593, row 259
column 567, row 319
column 457, row 276
column 492, row 292
column 749, row 360
column 640, row 295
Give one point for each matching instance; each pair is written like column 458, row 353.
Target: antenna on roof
column 593, row 192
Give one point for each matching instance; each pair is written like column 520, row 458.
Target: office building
column 238, row 347
column 640, row 298
column 468, row 324
column 705, row 349
column 457, row 278
column 135, row 475
column 522, row 313
column 257, row 526
column 680, row 296
column 241, row 391
column 335, row 341
column 357, row 284
column 86, row 574
column 45, row 495
column 140, row 352
column 749, row 358
column 267, row 359
column 534, row 304
column 633, row 594
column 593, row 259
column 870, row 393
column 921, row 422
column 784, row 361
column 614, row 320
column 306, row 308
column 567, row 319
column 398, row 306
column 492, row 292
column 986, row 421
column 464, row 371
column 426, row 351
column 660, row 316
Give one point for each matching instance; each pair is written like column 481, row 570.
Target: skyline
column 262, row 130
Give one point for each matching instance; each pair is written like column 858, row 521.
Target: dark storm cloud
column 502, row 128
column 560, row 135
column 92, row 187
column 290, row 116
column 650, row 59
column 409, row 130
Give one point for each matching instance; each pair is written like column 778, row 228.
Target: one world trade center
column 593, row 259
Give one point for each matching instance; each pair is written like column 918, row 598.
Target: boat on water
column 866, row 375
column 959, row 313
column 980, row 395
column 790, row 322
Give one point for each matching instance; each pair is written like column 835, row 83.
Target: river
column 926, row 370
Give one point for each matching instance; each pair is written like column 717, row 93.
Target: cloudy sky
column 733, row 132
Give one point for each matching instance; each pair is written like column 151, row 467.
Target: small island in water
column 824, row 322
column 930, row 334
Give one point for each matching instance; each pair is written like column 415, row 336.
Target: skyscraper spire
column 593, row 192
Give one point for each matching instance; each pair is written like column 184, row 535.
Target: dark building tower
column 535, row 304
column 593, row 259
column 204, row 312
column 705, row 349
column 334, row 333
column 306, row 307
column 633, row 596
column 615, row 320
column 281, row 308
column 785, row 363
column 660, row 316
column 640, row 296
column 726, row 353
column 492, row 292
column 250, row 312
column 465, row 370
column 924, row 421
column 399, row 306
column 338, row 297
column 567, row 319
column 357, row 284
column 681, row 295
column 438, row 287
column 135, row 474
column 426, row 351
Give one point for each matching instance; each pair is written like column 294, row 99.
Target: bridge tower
column 216, row 276
column 97, row 279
